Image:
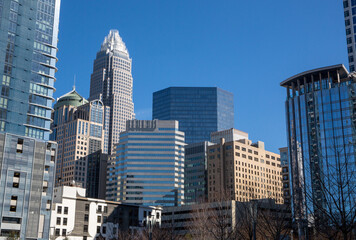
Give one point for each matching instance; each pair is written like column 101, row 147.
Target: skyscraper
column 321, row 118
column 78, row 129
column 148, row 165
column 28, row 40
column 111, row 81
column 350, row 28
column 199, row 110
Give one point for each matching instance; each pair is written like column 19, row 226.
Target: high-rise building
column 285, row 175
column 199, row 110
column 112, row 82
column 28, row 43
column 148, row 165
column 78, row 128
column 321, row 118
column 243, row 171
column 350, row 28
column 195, row 172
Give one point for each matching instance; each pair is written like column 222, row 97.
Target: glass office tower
column 195, row 170
column 148, row 165
column 321, row 118
column 350, row 29
column 28, row 43
column 199, row 110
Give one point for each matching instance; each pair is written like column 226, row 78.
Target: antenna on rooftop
column 74, row 83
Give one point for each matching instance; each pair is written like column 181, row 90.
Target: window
column 348, row 31
column 86, row 218
column 64, row 232
column 157, row 215
column 104, row 230
column 16, row 180
column 99, row 209
column 58, row 232
column 13, row 203
column 105, row 219
column 85, row 228
column 346, row 13
column 346, row 4
column 65, row 210
column 99, row 219
column 86, row 207
column 65, row 221
column 59, row 209
column 349, row 49
column 347, row 22
column 58, row 221
column 98, row 229
column 105, row 209
column 19, row 148
column 351, row 58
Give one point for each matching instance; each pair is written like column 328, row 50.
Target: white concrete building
column 79, row 218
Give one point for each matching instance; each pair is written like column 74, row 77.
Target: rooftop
column 113, row 41
column 72, row 98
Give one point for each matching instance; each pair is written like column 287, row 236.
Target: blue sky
column 245, row 47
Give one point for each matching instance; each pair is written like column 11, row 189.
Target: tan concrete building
column 78, row 128
column 241, row 170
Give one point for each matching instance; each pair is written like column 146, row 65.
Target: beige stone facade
column 242, row 171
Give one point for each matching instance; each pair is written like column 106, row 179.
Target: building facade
column 28, row 40
column 199, row 110
column 148, row 165
column 243, row 171
column 350, row 28
column 320, row 113
column 112, row 82
column 285, row 175
column 78, row 128
column 76, row 217
column 227, row 220
column 195, row 172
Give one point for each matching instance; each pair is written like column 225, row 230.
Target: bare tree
column 274, row 220
column 331, row 191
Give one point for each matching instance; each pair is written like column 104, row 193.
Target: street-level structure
column 76, row 217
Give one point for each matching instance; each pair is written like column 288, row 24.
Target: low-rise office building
column 76, row 217
column 201, row 221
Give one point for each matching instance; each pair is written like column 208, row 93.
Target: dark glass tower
column 28, row 43
column 321, row 118
column 199, row 110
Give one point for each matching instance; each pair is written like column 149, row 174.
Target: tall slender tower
column 28, row 43
column 111, row 81
column 350, row 29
